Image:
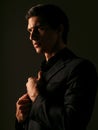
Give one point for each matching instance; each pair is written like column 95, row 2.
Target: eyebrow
column 39, row 25
column 29, row 29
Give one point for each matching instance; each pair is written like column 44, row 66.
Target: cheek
column 49, row 39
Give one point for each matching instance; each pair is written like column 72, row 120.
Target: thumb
column 39, row 75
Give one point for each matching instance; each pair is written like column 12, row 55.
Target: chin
column 38, row 50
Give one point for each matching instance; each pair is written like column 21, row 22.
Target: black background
column 18, row 59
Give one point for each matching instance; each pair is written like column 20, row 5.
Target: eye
column 41, row 28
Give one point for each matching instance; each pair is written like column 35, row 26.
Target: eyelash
column 38, row 28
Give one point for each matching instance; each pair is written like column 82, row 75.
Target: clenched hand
column 31, row 85
column 23, row 106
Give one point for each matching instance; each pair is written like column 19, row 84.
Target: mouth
column 36, row 44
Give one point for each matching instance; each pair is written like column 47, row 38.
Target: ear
column 60, row 29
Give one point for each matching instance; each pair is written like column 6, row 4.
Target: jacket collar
column 54, row 69
column 57, row 63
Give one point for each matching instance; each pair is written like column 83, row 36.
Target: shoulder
column 81, row 63
column 78, row 65
column 73, row 61
column 82, row 68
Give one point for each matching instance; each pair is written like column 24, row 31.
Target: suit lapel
column 67, row 55
column 54, row 69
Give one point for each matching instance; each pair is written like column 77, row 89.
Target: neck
column 48, row 55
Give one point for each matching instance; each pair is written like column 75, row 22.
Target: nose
column 34, row 34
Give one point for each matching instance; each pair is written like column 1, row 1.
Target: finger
column 25, row 96
column 24, row 112
column 24, row 107
column 24, row 101
column 30, row 78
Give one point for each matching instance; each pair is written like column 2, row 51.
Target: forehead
column 34, row 21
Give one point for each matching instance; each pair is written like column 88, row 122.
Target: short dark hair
column 52, row 15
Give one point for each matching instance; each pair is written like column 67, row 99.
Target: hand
column 23, row 106
column 32, row 87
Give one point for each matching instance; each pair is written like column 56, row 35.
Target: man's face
column 44, row 38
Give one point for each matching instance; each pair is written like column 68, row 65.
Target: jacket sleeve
column 80, row 95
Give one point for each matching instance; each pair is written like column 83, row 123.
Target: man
column 62, row 96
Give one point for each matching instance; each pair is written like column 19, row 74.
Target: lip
column 36, row 45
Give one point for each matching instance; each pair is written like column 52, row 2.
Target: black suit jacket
column 67, row 95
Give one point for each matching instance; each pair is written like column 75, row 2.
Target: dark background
column 18, row 59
